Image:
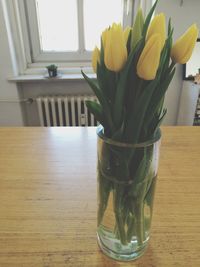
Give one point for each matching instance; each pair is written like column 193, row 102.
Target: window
column 105, row 13
column 57, row 25
column 58, row 28
column 68, row 30
column 63, row 31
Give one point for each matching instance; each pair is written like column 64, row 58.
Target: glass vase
column 126, row 176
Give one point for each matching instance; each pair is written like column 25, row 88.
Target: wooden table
column 48, row 200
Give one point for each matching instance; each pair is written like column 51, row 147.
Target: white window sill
column 41, row 75
column 42, row 78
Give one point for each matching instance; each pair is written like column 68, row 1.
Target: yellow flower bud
column 158, row 25
column 149, row 60
column 104, row 36
column 95, row 58
column 115, row 51
column 183, row 47
column 126, row 33
column 137, row 29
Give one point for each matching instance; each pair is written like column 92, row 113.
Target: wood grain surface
column 48, row 200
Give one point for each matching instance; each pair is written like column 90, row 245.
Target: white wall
column 10, row 113
column 182, row 17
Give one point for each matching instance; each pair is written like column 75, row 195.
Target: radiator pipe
column 24, row 100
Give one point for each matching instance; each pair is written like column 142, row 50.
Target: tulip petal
column 104, row 36
column 95, row 58
column 115, row 54
column 184, row 46
column 150, row 58
column 158, row 25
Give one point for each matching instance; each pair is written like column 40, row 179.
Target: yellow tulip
column 126, row 33
column 95, row 58
column 183, row 47
column 115, row 51
column 149, row 60
column 104, row 36
column 137, row 29
column 158, row 25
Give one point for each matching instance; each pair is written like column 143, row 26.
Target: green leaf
column 128, row 45
column 96, row 110
column 148, row 19
column 94, row 86
column 169, row 26
column 107, row 82
column 135, row 122
column 106, row 78
column 104, row 187
column 137, row 29
column 121, row 87
column 156, row 122
column 136, row 119
column 141, row 177
column 156, row 98
column 166, row 55
column 161, row 119
column 102, row 100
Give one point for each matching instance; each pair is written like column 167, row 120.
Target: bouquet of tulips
column 134, row 68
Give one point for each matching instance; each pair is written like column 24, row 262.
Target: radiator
column 65, row 111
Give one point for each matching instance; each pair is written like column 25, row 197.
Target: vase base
column 119, row 256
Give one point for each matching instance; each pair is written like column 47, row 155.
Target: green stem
column 139, row 88
column 119, row 214
column 101, row 211
column 131, row 227
column 116, row 232
column 120, row 226
column 103, row 194
column 139, row 214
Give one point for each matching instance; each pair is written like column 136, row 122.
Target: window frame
column 81, row 55
column 27, row 45
column 38, row 56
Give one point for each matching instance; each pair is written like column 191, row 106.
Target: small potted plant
column 52, row 70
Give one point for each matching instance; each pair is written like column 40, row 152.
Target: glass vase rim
column 110, row 141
